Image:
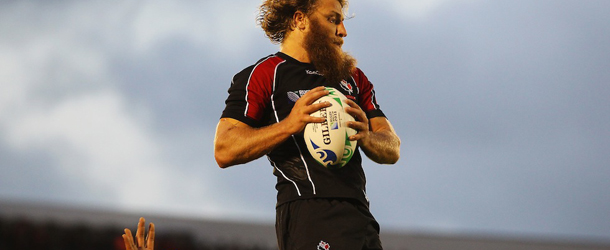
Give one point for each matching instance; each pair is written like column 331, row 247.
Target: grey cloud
column 502, row 109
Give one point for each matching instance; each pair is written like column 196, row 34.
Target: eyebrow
column 337, row 14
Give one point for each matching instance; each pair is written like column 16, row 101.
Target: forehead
column 329, row 6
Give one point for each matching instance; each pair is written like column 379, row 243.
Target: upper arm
column 225, row 136
column 225, row 125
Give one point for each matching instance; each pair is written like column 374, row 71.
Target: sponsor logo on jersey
column 345, row 85
column 323, row 246
column 313, row 72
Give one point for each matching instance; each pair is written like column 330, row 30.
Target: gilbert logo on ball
column 328, row 142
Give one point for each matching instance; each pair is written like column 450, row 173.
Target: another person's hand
column 142, row 242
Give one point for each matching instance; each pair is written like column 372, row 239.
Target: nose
column 341, row 31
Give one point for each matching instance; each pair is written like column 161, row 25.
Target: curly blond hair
column 275, row 16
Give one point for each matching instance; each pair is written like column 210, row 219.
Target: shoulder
column 357, row 71
column 361, row 80
column 262, row 69
column 264, row 64
column 268, row 63
column 359, row 76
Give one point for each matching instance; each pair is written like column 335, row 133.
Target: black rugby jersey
column 265, row 93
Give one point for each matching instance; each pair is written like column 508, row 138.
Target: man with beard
column 268, row 107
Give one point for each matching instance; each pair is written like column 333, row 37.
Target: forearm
column 382, row 147
column 237, row 144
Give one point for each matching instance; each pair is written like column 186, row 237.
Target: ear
column 299, row 20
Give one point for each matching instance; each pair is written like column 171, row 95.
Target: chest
column 291, row 83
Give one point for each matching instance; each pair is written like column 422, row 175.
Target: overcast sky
column 503, row 108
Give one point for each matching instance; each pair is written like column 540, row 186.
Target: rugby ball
column 328, row 142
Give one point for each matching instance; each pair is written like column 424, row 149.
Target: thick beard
column 326, row 56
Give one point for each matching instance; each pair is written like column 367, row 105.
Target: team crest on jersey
column 323, row 246
column 345, row 85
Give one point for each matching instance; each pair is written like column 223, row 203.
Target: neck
column 295, row 50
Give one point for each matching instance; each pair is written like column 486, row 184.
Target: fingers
column 315, row 107
column 150, row 242
column 355, row 110
column 128, row 240
column 140, row 232
column 142, row 242
column 361, row 124
column 313, row 95
column 305, row 106
column 310, row 97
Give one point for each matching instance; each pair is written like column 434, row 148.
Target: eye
column 334, row 20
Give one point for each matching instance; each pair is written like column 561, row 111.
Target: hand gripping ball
column 328, row 142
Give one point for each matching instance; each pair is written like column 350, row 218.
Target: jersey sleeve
column 366, row 95
column 250, row 93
